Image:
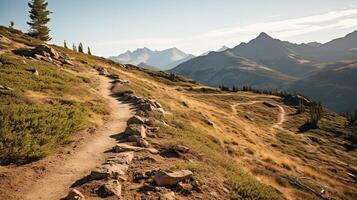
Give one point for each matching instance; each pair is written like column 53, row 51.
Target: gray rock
column 142, row 142
column 136, row 120
column 103, row 71
column 181, row 148
column 122, row 147
column 121, row 158
column 168, row 177
column 74, row 195
column 133, row 138
column 109, row 170
column 136, row 129
column 113, row 187
column 67, row 61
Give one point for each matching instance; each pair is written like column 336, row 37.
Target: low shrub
column 29, row 132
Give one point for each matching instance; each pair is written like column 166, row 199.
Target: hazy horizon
column 192, row 26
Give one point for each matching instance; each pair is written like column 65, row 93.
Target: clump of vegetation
column 300, row 107
column 246, row 187
column 352, row 123
column 29, row 132
column 315, row 114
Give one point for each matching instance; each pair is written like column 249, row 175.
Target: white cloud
column 338, row 19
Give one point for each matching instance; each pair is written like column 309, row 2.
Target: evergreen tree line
column 80, row 48
column 352, row 124
column 248, row 88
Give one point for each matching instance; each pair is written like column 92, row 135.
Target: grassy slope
column 247, row 156
column 40, row 112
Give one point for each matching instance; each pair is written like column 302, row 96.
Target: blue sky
column 195, row 26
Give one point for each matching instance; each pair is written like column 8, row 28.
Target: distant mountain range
column 267, row 63
column 223, row 48
column 147, row 58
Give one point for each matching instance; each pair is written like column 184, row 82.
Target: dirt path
column 281, row 117
column 55, row 184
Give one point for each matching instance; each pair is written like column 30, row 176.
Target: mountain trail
column 90, row 154
column 281, row 117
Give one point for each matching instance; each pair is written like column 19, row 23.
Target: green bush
column 247, row 187
column 29, row 132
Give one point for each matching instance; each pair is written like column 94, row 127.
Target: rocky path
column 55, row 184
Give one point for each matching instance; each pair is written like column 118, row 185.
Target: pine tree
column 39, row 19
column 89, row 52
column 65, row 44
column 12, row 24
column 74, row 48
column 80, row 47
column 315, row 114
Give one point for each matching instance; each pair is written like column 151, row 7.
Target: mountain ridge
column 163, row 60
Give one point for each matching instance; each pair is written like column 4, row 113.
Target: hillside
column 164, row 60
column 335, row 86
column 186, row 141
column 229, row 69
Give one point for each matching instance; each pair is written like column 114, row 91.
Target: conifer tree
column 39, row 19
column 65, row 44
column 74, row 48
column 12, row 24
column 80, row 47
column 89, row 52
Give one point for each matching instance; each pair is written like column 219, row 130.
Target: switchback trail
column 281, row 117
column 57, row 181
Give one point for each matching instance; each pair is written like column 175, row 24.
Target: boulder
column 67, row 61
column 146, row 107
column 167, row 196
column 181, row 148
column 74, row 195
column 168, row 177
column 121, row 158
column 113, row 187
column 136, row 129
column 142, row 142
column 108, row 170
column 122, row 147
column 34, row 72
column 136, row 120
column 103, row 71
column 133, row 138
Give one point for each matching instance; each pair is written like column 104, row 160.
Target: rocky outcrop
column 46, row 53
column 136, row 120
column 136, row 129
column 168, row 177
